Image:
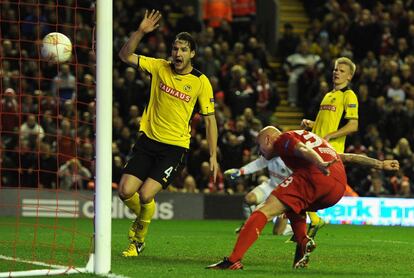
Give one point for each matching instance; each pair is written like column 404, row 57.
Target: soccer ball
column 56, row 47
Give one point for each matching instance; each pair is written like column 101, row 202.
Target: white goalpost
column 100, row 260
column 103, row 193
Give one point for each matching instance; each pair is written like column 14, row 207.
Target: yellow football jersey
column 172, row 100
column 335, row 108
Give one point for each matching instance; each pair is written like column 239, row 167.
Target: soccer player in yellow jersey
column 337, row 117
column 164, row 138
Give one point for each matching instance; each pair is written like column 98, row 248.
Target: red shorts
column 308, row 190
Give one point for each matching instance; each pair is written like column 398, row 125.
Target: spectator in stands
column 65, row 143
column 295, row 65
column 31, row 132
column 396, row 123
column 216, row 11
column 395, row 91
column 28, row 164
column 367, row 107
column 117, row 125
column 189, row 21
column 125, row 141
column 198, row 155
column 133, row 119
column 267, row 97
column 364, row 34
column 64, row 83
column 376, row 186
column 48, row 167
column 207, row 63
column 8, row 166
column 258, row 52
column 73, row 175
column 134, row 92
column 49, row 125
column 86, row 92
column 374, row 82
column 190, row 185
column 231, row 148
column 9, row 118
column 289, row 41
column 242, row 96
column 86, row 155
column 29, row 104
column 206, row 183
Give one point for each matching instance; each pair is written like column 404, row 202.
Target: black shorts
column 156, row 160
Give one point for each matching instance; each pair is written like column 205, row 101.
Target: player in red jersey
column 318, row 181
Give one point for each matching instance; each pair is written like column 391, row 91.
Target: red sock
column 298, row 223
column 248, row 235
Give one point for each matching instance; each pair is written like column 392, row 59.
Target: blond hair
column 348, row 62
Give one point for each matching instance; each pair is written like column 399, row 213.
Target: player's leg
column 327, row 192
column 249, row 203
column 147, row 193
column 250, row 232
column 304, row 244
column 281, row 227
column 168, row 162
column 255, row 224
column 255, row 197
column 127, row 192
column 134, row 174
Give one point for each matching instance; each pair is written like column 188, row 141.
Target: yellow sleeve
column 351, row 105
column 149, row 64
column 206, row 98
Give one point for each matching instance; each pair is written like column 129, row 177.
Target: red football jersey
column 287, row 141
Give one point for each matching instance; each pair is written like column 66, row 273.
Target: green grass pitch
column 183, row 248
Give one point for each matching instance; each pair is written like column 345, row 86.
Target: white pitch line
column 31, row 262
column 392, row 241
column 82, row 270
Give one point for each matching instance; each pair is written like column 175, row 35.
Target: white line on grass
column 110, row 275
column 30, row 262
column 392, row 241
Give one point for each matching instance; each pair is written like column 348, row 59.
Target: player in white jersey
column 277, row 172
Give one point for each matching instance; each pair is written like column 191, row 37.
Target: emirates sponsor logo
column 328, row 107
column 173, row 92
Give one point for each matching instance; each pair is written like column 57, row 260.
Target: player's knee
column 250, row 198
column 145, row 197
column 127, row 188
column 124, row 193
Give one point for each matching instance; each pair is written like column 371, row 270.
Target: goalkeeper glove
column 233, row 173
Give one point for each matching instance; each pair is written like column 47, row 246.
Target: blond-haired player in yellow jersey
column 337, row 117
column 164, row 138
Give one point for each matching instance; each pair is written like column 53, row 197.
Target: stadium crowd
column 47, row 123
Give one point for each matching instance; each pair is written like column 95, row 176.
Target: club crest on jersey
column 173, row 92
column 187, row 88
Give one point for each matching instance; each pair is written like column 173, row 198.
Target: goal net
column 47, row 143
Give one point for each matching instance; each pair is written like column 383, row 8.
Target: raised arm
column 388, row 165
column 148, row 24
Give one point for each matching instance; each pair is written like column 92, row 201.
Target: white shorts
column 262, row 191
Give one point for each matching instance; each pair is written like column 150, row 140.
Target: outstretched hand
column 391, row 165
column 233, row 173
column 150, row 21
